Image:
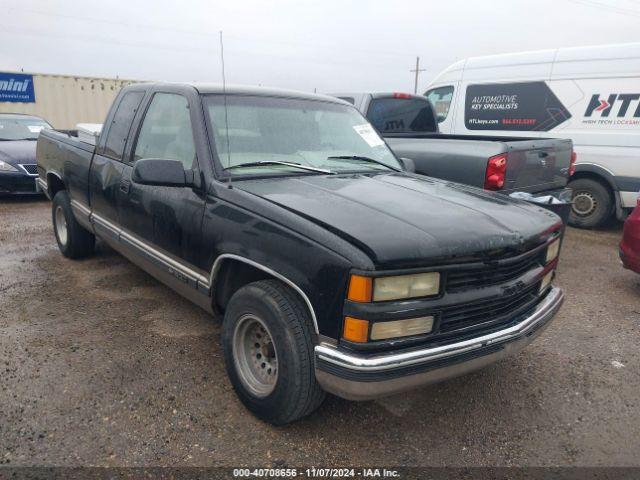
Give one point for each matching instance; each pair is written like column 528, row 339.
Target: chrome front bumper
column 359, row 377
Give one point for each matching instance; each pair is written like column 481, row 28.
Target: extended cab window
column 441, row 98
column 166, row 131
column 119, row 129
column 401, row 115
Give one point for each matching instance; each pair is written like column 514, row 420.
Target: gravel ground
column 102, row 365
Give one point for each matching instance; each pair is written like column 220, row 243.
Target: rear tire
column 268, row 351
column 73, row 240
column 592, row 204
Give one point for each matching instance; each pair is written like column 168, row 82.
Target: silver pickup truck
column 539, row 166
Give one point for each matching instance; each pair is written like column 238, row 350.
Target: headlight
column 367, row 289
column 406, row 286
column 5, row 167
column 401, row 328
column 552, row 251
column 357, row 330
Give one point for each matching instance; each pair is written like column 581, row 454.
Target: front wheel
column 268, row 350
column 591, row 205
column 73, row 240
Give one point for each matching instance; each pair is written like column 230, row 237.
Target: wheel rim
column 61, row 225
column 584, row 203
column 255, row 356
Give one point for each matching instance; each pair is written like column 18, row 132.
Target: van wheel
column 73, row 240
column 591, row 203
column 268, row 352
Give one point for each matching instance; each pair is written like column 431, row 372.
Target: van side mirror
column 408, row 165
column 162, row 173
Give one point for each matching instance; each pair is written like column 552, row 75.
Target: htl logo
column 596, row 104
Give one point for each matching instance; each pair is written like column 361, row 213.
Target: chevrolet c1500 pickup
column 335, row 269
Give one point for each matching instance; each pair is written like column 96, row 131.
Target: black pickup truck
column 408, row 123
column 335, row 270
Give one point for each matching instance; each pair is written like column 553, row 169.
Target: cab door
column 106, row 169
column 164, row 223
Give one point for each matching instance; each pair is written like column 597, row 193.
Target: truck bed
column 62, row 154
column 410, row 126
column 533, row 165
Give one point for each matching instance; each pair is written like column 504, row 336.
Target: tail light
column 496, row 170
column 572, row 164
column 401, row 95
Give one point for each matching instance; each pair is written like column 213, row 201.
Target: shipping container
column 62, row 100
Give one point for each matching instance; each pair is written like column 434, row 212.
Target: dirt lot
column 102, row 365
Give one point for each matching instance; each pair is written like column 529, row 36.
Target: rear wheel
column 268, row 350
column 73, row 240
column 592, row 204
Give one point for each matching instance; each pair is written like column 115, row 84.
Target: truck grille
column 488, row 313
column 30, row 168
column 485, row 275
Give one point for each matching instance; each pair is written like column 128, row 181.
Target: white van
column 588, row 94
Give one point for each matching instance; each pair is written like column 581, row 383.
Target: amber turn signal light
column 360, row 289
column 355, row 330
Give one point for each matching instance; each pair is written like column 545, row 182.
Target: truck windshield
column 21, row 128
column 277, row 131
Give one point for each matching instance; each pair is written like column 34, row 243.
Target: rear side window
column 119, row 128
column 166, row 132
column 441, row 98
column 402, row 115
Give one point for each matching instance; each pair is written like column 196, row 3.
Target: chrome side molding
column 198, row 280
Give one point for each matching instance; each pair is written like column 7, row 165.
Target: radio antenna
column 224, row 95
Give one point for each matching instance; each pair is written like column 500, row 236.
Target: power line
column 198, row 33
column 607, row 8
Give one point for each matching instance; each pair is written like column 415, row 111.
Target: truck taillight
column 572, row 164
column 496, row 170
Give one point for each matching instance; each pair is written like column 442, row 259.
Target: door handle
column 125, row 185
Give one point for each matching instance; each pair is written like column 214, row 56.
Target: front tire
column 73, row 240
column 268, row 350
column 592, row 204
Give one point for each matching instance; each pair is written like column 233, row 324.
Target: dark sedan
column 18, row 135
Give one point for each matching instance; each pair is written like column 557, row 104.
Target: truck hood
column 402, row 220
column 18, row 151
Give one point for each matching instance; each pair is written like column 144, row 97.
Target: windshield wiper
column 364, row 159
column 275, row 162
column 16, row 139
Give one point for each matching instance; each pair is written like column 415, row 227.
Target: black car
column 18, row 135
column 335, row 269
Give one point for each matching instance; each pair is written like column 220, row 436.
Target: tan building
column 62, row 100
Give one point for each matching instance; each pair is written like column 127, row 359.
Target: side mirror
column 162, row 173
column 408, row 165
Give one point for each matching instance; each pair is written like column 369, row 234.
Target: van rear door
column 536, row 165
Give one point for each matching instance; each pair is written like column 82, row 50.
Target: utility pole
column 417, row 72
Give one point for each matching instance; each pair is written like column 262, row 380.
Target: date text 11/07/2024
column 315, row 472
